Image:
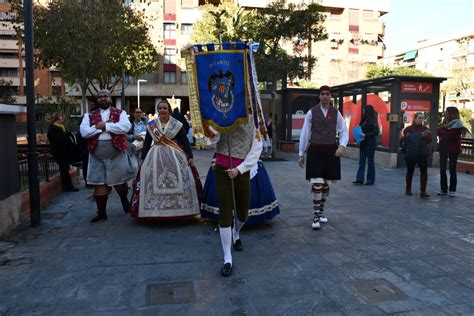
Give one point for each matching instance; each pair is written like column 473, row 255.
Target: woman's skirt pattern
column 263, row 202
column 165, row 186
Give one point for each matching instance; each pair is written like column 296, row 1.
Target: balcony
column 10, row 44
column 376, row 27
column 9, row 63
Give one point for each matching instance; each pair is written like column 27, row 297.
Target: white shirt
column 253, row 155
column 121, row 127
column 341, row 128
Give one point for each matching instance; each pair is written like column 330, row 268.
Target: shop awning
column 410, row 55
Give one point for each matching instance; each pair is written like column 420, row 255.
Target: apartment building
column 355, row 39
column 451, row 57
column 48, row 82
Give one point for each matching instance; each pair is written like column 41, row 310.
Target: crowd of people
column 154, row 157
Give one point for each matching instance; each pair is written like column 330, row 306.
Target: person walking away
column 416, row 139
column 109, row 164
column 449, row 133
column 322, row 124
column 370, row 130
column 60, row 145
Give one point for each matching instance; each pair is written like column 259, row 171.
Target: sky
column 411, row 20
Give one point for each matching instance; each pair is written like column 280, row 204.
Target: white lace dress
column 167, row 187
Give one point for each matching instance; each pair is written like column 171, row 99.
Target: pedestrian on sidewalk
column 136, row 136
column 165, row 186
column 322, row 124
column 450, row 133
column 370, row 130
column 246, row 148
column 61, row 145
column 109, row 164
column 416, row 139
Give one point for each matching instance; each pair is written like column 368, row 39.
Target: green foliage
column 67, row 106
column 271, row 27
column 308, row 85
column 466, row 117
column 378, row 71
column 91, row 39
column 6, row 92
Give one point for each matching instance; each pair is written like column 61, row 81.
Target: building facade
column 451, row 57
column 355, row 39
column 48, row 82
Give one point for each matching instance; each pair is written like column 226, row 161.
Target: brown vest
column 323, row 129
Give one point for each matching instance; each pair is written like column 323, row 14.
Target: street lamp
column 138, row 90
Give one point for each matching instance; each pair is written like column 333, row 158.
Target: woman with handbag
column 61, row 145
column 416, row 139
column 165, row 186
column 136, row 136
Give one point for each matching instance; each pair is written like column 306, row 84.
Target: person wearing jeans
column 370, row 130
column 449, row 148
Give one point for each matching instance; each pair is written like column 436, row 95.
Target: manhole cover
column 170, row 293
column 376, row 291
column 53, row 215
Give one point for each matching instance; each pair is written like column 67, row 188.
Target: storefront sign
column 417, row 87
column 415, row 105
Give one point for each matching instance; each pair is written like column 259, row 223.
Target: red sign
column 415, row 105
column 417, row 87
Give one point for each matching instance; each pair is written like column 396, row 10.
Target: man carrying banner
column 246, row 150
column 321, row 125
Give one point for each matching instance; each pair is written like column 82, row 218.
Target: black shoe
column 369, row 183
column 358, row 182
column 238, row 245
column 226, row 269
column 71, row 189
column 99, row 218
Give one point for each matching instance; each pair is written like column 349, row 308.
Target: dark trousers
column 443, row 163
column 366, row 153
column 421, row 161
column 224, row 196
column 65, row 178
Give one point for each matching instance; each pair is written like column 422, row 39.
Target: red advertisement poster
column 417, row 87
column 415, row 105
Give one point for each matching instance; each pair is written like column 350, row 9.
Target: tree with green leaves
column 92, row 41
column 378, row 71
column 279, row 24
column 7, row 92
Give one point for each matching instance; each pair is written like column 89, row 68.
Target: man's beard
column 104, row 105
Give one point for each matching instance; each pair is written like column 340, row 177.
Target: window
column 169, row 31
column 170, row 77
column 186, row 29
column 354, row 20
column 184, row 78
column 170, row 56
column 369, row 15
column 8, row 72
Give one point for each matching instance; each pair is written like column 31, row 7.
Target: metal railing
column 47, row 164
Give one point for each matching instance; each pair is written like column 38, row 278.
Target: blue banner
column 222, row 88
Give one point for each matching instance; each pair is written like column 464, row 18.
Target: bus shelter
column 395, row 98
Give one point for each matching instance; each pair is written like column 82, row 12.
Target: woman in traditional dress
column 263, row 202
column 165, row 187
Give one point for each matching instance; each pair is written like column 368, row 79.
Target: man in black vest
column 322, row 124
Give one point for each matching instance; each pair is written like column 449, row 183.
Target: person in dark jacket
column 180, row 117
column 60, row 147
column 370, row 130
column 449, row 148
column 416, row 139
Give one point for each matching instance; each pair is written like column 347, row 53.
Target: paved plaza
column 381, row 253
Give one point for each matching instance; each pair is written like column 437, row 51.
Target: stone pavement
column 381, row 253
